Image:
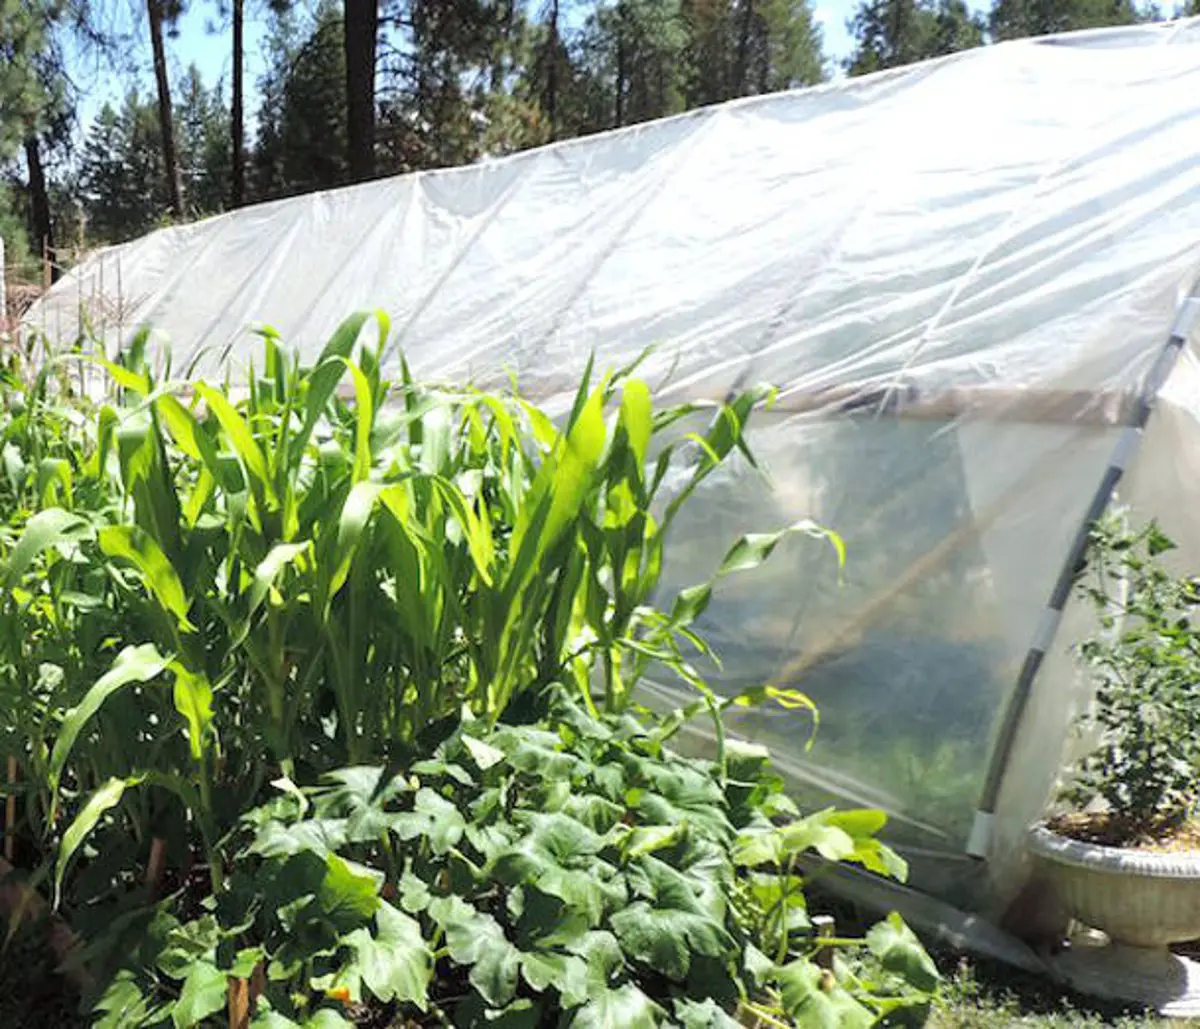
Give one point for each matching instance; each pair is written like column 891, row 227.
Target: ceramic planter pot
column 1143, row 901
column 1139, row 898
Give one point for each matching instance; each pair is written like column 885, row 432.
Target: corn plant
column 326, row 569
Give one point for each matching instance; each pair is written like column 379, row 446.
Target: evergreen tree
column 122, row 186
column 24, row 39
column 121, row 181
column 302, row 128
column 891, row 33
column 205, row 157
column 1012, row 19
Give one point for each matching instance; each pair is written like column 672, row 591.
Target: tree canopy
column 356, row 88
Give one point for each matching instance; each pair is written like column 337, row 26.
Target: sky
column 203, row 39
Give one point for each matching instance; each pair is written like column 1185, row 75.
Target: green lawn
column 978, row 997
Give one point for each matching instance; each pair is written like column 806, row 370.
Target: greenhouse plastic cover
column 955, row 273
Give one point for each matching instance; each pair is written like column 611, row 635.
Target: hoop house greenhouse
column 967, row 280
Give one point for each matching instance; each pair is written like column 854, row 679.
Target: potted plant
column 1125, row 857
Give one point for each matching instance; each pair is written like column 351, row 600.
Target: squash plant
column 562, row 870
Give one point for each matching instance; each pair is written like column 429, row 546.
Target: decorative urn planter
column 1142, row 901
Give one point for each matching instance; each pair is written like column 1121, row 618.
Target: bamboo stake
column 10, row 810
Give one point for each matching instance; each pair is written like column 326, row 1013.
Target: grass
column 994, row 997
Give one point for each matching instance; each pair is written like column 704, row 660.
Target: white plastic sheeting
column 999, row 239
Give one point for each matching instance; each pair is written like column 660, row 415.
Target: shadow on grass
column 987, row 995
column 32, row 994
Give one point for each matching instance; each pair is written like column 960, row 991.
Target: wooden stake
column 258, row 983
column 239, row 1004
column 156, row 864
column 823, row 929
column 10, row 810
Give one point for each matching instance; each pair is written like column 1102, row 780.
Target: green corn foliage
column 206, row 589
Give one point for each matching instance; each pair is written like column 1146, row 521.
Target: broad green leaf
column 900, row 952
column 665, row 939
column 647, row 839
column 394, row 963
column 623, row 1008
column 475, row 940
column 564, row 972
column 322, row 836
column 605, row 961
column 596, row 812
column 131, row 544
column 122, row 1004
column 104, row 799
column 432, row 817
column 814, row 1000
column 858, row 821
column 348, row 895
column 45, row 529
column 483, row 754
column 265, row 1018
column 327, row 1018
column 204, row 993
column 693, row 1014
column 757, row 847
column 133, row 664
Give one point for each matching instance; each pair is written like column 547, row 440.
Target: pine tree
column 891, row 33
column 162, row 13
column 1012, row 19
column 302, row 128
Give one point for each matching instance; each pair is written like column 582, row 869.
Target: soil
column 1167, row 835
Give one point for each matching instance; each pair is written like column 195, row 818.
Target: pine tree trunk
column 361, row 30
column 622, row 61
column 237, row 192
column 39, row 204
column 552, row 70
column 742, row 68
column 166, row 121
